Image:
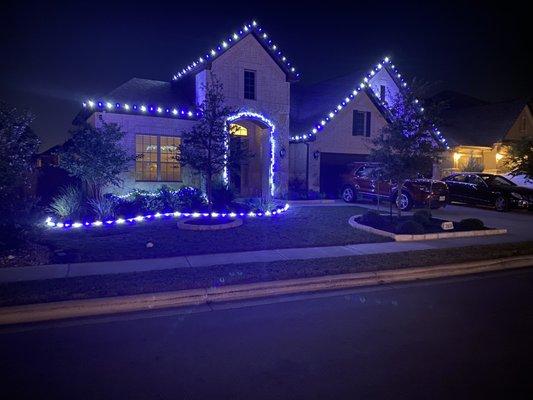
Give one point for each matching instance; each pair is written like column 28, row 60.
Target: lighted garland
column 142, row 109
column 49, row 222
column 231, row 41
column 272, row 128
column 365, row 83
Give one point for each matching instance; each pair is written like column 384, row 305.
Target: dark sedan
column 488, row 190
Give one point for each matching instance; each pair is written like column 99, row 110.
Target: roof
column 138, row 90
column 231, row 40
column 480, row 125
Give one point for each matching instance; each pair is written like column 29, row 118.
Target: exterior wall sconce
column 316, row 154
column 456, row 156
column 499, row 156
column 282, row 152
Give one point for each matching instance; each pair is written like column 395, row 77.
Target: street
column 457, row 338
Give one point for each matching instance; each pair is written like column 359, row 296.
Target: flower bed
column 420, row 226
column 141, row 206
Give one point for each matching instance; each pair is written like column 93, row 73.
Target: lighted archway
column 266, row 124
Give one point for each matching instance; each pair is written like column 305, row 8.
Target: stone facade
column 139, row 124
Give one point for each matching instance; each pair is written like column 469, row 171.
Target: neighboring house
column 477, row 132
column 294, row 132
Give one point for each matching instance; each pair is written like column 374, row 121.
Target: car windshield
column 496, row 180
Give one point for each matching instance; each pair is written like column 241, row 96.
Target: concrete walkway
column 519, row 226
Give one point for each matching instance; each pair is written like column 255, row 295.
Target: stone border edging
column 426, row 236
column 193, row 297
column 192, row 227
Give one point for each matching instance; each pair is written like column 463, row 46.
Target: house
column 478, row 132
column 295, row 132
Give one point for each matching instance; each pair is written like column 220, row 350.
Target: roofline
column 261, row 36
column 381, row 106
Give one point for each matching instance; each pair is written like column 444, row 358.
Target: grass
column 299, row 227
column 189, row 278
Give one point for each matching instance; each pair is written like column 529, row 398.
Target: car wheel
column 404, row 201
column 348, row 194
column 501, row 204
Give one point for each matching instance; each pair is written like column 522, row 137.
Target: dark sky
column 53, row 56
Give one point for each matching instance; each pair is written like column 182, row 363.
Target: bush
column 103, row 208
column 372, row 218
column 410, row 227
column 167, row 199
column 191, row 199
column 68, row 203
column 222, row 196
column 423, row 217
column 471, row 224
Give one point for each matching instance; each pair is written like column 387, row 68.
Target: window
column 249, row 84
column 361, row 123
column 238, row 130
column 382, row 92
column 366, row 172
column 156, row 158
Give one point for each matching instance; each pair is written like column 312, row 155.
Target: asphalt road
column 463, row 338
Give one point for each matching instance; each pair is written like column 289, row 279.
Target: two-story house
column 293, row 131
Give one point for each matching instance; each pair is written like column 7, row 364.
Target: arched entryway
column 254, row 176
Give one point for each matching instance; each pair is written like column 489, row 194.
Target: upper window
column 249, row 84
column 361, row 123
column 382, row 92
column 156, row 158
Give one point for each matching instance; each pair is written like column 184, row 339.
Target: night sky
column 54, row 56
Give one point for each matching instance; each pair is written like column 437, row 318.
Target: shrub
column 191, row 199
column 410, row 227
column 103, row 208
column 222, row 196
column 423, row 217
column 372, row 218
column 471, row 224
column 68, row 203
column 167, row 199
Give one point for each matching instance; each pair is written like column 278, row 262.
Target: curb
column 427, row 236
column 104, row 306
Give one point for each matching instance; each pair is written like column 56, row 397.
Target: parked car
column 489, row 190
column 366, row 182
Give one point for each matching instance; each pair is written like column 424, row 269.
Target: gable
column 250, row 29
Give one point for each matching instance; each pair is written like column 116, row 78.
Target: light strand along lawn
column 299, row 227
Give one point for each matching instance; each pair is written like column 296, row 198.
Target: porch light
column 499, row 156
column 456, row 156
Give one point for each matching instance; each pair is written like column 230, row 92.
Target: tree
column 96, row 156
column 519, row 157
column 18, row 144
column 408, row 144
column 205, row 147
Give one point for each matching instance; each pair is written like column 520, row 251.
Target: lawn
column 189, row 278
column 299, row 227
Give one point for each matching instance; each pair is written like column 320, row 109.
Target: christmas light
column 365, row 84
column 272, row 128
column 247, row 29
column 154, row 110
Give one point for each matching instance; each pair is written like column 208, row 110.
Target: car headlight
column 516, row 195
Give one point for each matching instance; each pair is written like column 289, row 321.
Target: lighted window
column 238, row 130
column 361, row 123
column 249, row 84
column 156, row 158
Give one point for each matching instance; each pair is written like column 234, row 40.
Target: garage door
column 332, row 166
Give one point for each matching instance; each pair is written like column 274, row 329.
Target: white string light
column 227, row 43
column 49, row 222
column 134, row 108
column 365, row 83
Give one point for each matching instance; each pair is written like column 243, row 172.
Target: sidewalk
column 114, row 267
